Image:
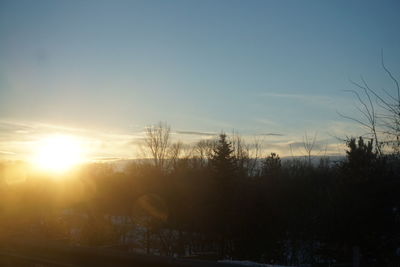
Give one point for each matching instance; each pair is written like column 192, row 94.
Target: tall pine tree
column 224, row 168
column 223, row 161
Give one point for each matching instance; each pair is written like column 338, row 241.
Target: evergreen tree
column 224, row 166
column 223, row 161
column 363, row 162
column 360, row 154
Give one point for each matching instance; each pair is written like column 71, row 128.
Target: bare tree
column 255, row 154
column 246, row 154
column 203, row 150
column 392, row 108
column 380, row 111
column 367, row 110
column 309, row 144
column 157, row 141
column 241, row 150
column 176, row 152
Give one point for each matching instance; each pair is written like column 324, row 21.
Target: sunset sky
column 102, row 70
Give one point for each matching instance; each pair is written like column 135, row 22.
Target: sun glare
column 58, row 153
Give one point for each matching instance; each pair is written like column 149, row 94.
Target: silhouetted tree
column 157, row 142
column 223, row 161
column 202, row 198
column 362, row 160
column 224, row 167
column 271, row 166
column 379, row 112
column 309, row 145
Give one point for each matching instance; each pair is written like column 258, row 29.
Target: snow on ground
column 250, row 263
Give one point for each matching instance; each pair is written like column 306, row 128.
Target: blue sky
column 254, row 66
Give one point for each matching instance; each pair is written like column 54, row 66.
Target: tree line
column 222, row 200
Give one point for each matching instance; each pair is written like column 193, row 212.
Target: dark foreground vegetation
column 218, row 202
column 222, row 199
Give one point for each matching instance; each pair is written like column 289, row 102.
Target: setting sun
column 58, row 153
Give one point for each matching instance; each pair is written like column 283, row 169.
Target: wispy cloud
column 265, row 121
column 106, row 158
column 7, row 152
column 304, row 98
column 271, row 134
column 299, row 96
column 196, row 133
column 18, row 140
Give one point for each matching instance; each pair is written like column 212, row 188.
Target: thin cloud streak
column 196, row 133
column 271, row 134
column 104, row 146
column 19, row 140
column 7, row 152
column 298, row 96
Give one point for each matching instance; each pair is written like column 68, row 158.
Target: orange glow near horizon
column 58, row 153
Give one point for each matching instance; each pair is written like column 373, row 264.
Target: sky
column 104, row 70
